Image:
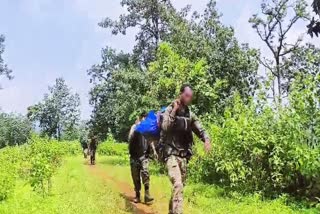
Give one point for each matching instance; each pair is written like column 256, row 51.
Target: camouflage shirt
column 93, row 144
column 180, row 140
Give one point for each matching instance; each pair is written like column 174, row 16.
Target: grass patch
column 201, row 198
column 77, row 190
column 74, row 191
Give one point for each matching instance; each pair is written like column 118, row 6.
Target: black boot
column 137, row 198
column 147, row 197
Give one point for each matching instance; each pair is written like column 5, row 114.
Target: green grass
column 79, row 189
column 74, row 191
column 199, row 198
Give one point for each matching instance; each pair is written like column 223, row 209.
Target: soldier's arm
column 131, row 133
column 168, row 119
column 153, row 148
column 198, row 129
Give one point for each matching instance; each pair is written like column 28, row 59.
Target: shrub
column 35, row 162
column 111, row 148
column 257, row 149
column 8, row 172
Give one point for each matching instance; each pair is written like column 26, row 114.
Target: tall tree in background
column 230, row 64
column 151, row 19
column 14, row 129
column 121, row 82
column 273, row 27
column 4, row 70
column 58, row 114
column 314, row 26
column 303, row 62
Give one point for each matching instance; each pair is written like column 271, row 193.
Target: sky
column 47, row 39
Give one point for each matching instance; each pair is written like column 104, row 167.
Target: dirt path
column 125, row 191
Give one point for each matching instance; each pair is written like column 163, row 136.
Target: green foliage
column 117, row 102
column 172, row 48
column 14, row 129
column 170, row 71
column 111, row 148
column 58, row 114
column 259, row 149
column 230, row 66
column 75, row 190
column 45, row 158
column 152, row 18
column 8, row 172
column 34, row 163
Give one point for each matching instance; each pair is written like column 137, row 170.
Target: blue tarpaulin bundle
column 150, row 126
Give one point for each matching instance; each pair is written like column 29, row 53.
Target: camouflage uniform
column 92, row 149
column 140, row 169
column 84, row 144
column 177, row 140
column 139, row 162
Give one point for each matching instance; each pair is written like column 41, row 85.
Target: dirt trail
column 125, row 191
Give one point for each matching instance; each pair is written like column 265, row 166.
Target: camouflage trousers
column 92, row 156
column 177, row 171
column 85, row 153
column 140, row 170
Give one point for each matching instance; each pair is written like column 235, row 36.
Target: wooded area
column 261, row 110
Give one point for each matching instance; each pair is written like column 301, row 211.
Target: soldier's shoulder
column 169, row 107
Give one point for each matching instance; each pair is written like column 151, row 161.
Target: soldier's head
column 141, row 117
column 93, row 136
column 186, row 94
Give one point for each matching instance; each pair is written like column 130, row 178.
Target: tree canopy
column 14, row 129
column 171, row 47
column 58, row 114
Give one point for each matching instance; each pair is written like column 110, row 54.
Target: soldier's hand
column 207, row 146
column 156, row 156
column 176, row 105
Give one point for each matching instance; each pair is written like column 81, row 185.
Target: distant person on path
column 93, row 147
column 177, row 139
column 84, row 145
column 139, row 149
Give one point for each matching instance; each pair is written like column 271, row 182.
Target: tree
column 4, row 70
column 314, row 26
column 303, row 62
column 273, row 27
column 58, row 114
column 205, row 37
column 117, row 102
column 103, row 95
column 126, row 84
column 14, row 129
column 150, row 16
column 170, row 71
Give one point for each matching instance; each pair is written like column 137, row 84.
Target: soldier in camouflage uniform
column 84, row 145
column 92, row 149
column 139, row 150
column 178, row 125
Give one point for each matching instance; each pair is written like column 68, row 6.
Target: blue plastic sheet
column 149, row 126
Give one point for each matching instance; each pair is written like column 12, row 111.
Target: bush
column 111, row 148
column 35, row 162
column 8, row 172
column 257, row 149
